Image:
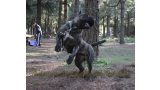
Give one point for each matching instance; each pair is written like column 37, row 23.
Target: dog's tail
column 97, row 43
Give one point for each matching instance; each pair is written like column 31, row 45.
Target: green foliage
column 35, row 83
column 70, row 10
column 100, row 62
column 26, row 47
column 116, row 11
column 117, row 74
column 97, row 73
column 129, row 40
column 105, row 63
column 130, row 7
column 126, row 39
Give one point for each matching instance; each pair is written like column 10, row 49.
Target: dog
column 114, row 40
column 69, row 36
column 84, row 52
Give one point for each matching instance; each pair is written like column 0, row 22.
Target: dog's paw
column 69, row 60
column 57, row 48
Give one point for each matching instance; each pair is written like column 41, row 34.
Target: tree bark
column 31, row 26
column 131, row 31
column 92, row 35
column 65, row 11
column 128, row 30
column 115, row 26
column 104, row 34
column 125, row 29
column 28, row 27
column 133, row 28
column 45, row 28
column 76, row 9
column 122, row 22
column 39, row 12
column 60, row 9
column 48, row 30
column 34, row 30
column 108, row 24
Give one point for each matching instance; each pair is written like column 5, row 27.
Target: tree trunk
column 60, row 9
column 28, row 27
column 128, row 30
column 48, row 30
column 31, row 26
column 39, row 12
column 122, row 22
column 45, row 28
column 133, row 28
column 65, row 11
column 34, row 30
column 131, row 31
column 108, row 24
column 92, row 35
column 125, row 29
column 104, row 34
column 76, row 9
column 115, row 22
column 115, row 26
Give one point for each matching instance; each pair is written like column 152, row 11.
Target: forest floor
column 46, row 69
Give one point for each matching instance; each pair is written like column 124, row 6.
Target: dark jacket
column 38, row 29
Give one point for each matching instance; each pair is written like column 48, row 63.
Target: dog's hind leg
column 78, row 62
column 89, row 75
column 90, row 58
column 89, row 66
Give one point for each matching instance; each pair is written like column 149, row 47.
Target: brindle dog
column 69, row 36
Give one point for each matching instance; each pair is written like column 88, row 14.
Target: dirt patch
column 61, row 76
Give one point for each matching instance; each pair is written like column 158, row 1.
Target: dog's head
column 83, row 21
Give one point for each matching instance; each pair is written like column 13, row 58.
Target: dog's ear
column 79, row 12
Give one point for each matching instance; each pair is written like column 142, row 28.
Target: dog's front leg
column 74, row 52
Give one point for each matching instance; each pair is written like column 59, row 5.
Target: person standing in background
column 38, row 33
